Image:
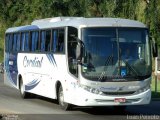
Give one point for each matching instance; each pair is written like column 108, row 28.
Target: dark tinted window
column 45, row 40
column 27, row 42
column 71, row 47
column 6, row 42
column 18, row 42
column 58, row 36
column 10, row 41
column 14, row 42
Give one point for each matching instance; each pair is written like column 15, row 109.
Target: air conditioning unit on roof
column 53, row 20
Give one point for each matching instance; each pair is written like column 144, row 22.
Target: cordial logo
column 32, row 62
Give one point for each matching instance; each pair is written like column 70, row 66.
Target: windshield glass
column 116, row 53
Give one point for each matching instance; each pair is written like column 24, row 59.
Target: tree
column 23, row 12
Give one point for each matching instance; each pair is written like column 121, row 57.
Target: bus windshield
column 113, row 54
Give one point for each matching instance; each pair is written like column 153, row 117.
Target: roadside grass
column 154, row 93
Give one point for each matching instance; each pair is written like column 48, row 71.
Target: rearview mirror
column 79, row 50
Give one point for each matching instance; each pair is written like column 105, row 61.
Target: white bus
column 81, row 61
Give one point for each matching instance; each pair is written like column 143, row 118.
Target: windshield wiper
column 110, row 58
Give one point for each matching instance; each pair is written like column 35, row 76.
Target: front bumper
column 85, row 98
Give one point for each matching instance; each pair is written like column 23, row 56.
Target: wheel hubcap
column 61, row 98
column 22, row 89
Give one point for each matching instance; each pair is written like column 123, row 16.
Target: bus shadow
column 130, row 110
column 102, row 111
column 34, row 96
column 111, row 111
column 88, row 110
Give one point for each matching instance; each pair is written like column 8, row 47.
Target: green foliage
column 155, row 94
column 22, row 12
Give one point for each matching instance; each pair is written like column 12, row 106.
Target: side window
column 45, row 40
column 71, row 48
column 48, row 40
column 14, row 42
column 10, row 41
column 32, row 40
column 6, row 42
column 60, row 44
column 54, row 40
column 35, row 41
column 58, row 36
column 18, row 42
column 27, row 42
column 23, row 41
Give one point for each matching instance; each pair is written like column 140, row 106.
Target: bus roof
column 86, row 22
column 22, row 28
column 78, row 22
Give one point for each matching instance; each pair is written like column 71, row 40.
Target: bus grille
column 119, row 93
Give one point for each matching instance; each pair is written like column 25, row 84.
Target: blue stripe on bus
column 10, row 69
column 51, row 59
column 32, row 82
column 32, row 85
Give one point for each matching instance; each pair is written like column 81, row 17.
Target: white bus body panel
column 40, row 72
column 79, row 96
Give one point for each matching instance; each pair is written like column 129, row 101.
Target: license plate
column 120, row 100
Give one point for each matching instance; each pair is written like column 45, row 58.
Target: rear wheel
column 23, row 93
column 63, row 105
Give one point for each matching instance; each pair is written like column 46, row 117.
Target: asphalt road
column 12, row 106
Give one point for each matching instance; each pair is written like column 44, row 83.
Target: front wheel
column 23, row 93
column 63, row 105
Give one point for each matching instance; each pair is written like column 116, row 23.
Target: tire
column 22, row 90
column 63, row 105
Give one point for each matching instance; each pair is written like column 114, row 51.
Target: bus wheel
column 63, row 105
column 22, row 90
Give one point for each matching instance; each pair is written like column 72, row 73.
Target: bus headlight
column 90, row 89
column 143, row 89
